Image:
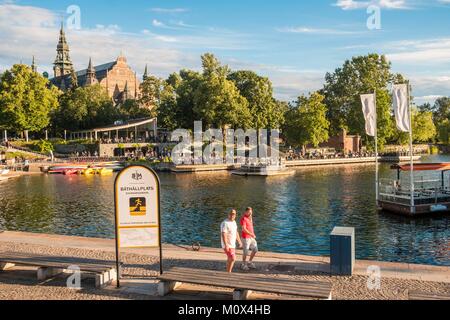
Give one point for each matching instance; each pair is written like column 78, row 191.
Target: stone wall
column 74, row 148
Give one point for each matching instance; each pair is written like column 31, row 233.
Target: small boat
column 4, row 172
column 105, row 171
column 63, row 168
column 88, row 171
column 70, row 172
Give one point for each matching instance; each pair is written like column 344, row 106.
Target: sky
column 294, row 43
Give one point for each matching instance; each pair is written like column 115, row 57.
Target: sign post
column 137, row 211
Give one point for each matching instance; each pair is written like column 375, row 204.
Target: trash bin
column 342, row 251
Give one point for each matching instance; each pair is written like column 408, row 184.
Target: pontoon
column 429, row 194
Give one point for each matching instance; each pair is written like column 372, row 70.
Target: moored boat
column 61, row 169
column 105, row 171
column 88, row 171
column 263, row 170
column 425, row 196
column 70, row 172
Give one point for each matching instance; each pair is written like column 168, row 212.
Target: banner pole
column 411, row 150
column 377, row 177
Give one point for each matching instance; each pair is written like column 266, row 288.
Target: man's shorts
column 231, row 253
column 250, row 245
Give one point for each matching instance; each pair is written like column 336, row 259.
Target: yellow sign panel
column 138, row 206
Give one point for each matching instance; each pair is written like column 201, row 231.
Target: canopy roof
column 122, row 125
column 424, row 167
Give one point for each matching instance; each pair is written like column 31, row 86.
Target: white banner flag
column 401, row 107
column 370, row 113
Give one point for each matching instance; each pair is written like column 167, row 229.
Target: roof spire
column 90, row 67
column 145, row 73
column 63, row 65
column 33, row 65
column 125, row 92
column 91, row 77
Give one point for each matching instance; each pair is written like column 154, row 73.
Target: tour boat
column 263, row 170
column 423, row 196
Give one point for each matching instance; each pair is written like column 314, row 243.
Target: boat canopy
column 424, row 167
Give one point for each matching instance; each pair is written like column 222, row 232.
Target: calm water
column 292, row 214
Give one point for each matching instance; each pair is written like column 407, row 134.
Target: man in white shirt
column 229, row 236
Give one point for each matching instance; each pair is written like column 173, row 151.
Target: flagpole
column 411, row 150
column 377, row 173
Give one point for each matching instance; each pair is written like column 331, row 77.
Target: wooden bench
column 423, row 296
column 243, row 284
column 50, row 266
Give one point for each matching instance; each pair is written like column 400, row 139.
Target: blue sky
column 293, row 42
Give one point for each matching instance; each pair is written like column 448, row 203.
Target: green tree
column 258, row 91
column 186, row 86
column 151, row 94
column 44, row 146
column 441, row 110
column 133, row 109
column 26, row 100
column 85, row 108
column 424, row 129
column 169, row 116
column 444, row 131
column 217, row 100
column 342, row 90
column 306, row 122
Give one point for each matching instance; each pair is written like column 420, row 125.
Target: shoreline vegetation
column 221, row 98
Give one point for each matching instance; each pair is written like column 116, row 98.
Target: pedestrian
column 249, row 240
column 229, row 237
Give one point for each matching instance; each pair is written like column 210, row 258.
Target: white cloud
column 425, row 52
column 157, row 23
column 386, row 4
column 316, row 31
column 26, row 31
column 426, row 99
column 169, row 10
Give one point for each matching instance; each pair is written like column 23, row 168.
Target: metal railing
column 428, row 191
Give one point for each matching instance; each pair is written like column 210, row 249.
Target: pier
column 141, row 269
column 186, row 168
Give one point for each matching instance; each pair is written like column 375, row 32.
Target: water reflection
column 293, row 214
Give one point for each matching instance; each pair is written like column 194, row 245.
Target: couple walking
column 230, row 235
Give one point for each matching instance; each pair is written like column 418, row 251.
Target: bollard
column 342, row 251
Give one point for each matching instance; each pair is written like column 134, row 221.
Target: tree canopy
column 26, row 100
column 85, row 108
column 342, row 90
column 306, row 121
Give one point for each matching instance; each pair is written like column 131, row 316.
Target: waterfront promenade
column 141, row 268
column 186, row 168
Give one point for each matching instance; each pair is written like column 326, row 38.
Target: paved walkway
column 284, row 261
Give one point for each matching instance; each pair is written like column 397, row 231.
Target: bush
column 434, row 150
column 44, row 146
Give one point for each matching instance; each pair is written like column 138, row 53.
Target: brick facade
column 119, row 80
column 344, row 143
